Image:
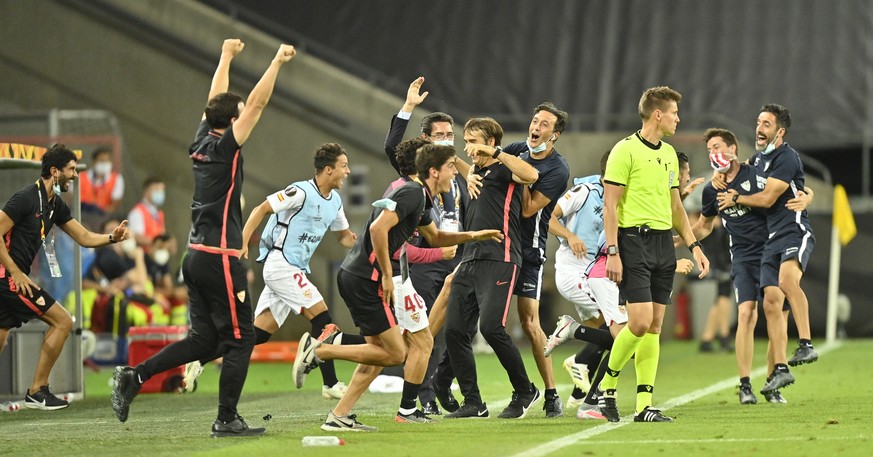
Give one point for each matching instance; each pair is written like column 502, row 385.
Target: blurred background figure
column 718, row 322
column 101, row 188
column 146, row 219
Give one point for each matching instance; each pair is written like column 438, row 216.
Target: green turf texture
column 830, row 413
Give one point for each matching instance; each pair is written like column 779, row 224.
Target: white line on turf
column 569, row 440
column 730, row 440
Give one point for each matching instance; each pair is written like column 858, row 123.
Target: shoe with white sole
column 192, row 372
column 578, row 372
column 334, row 392
column 306, row 360
column 564, row 331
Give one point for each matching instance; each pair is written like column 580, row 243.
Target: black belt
column 643, row 230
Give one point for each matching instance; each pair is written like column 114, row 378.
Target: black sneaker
column 747, row 397
column 416, row 417
column 726, row 343
column 552, row 407
column 431, row 409
column 125, row 386
column 777, row 380
column 446, row 398
column 775, row 397
column 471, row 411
column 521, row 403
column 236, row 427
column 608, row 405
column 706, row 346
column 649, row 414
column 803, row 354
column 44, row 399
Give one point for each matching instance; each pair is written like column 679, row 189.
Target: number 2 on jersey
column 300, row 280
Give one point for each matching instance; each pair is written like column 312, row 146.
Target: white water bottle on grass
column 322, row 441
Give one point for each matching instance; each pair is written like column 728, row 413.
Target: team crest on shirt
column 416, row 317
column 307, row 294
column 40, row 302
column 241, row 295
column 746, row 185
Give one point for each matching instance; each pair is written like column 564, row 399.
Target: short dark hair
column 562, row 116
column 326, row 155
column 57, row 156
column 405, row 152
column 683, row 158
column 427, row 121
column 432, row 156
column 603, row 160
column 657, row 98
column 488, row 126
column 221, row 109
column 151, row 180
column 726, row 135
column 100, row 151
column 783, row 117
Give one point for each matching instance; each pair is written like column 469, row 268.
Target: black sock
column 577, row 393
column 781, row 367
column 551, row 393
column 597, row 336
column 745, row 380
column 262, row 336
column 410, row 395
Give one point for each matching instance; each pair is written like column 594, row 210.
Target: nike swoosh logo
column 482, row 413
column 500, row 283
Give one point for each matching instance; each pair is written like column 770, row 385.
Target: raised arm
column 260, row 95
column 221, row 79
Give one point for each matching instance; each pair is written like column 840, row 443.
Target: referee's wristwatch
column 693, row 245
column 611, row 249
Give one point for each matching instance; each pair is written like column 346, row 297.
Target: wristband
column 497, row 151
column 693, row 245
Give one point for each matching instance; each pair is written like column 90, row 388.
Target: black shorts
column 363, row 297
column 746, row 275
column 792, row 244
column 724, row 287
column 218, row 298
column 530, row 280
column 16, row 309
column 649, row 263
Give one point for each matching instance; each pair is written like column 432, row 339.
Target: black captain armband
column 693, row 245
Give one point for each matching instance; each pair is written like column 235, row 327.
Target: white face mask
column 541, row 147
column 158, row 198
column 56, row 187
column 771, row 146
column 161, row 257
column 103, row 168
column 444, row 143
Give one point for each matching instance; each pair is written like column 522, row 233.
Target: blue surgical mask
column 771, row 146
column 541, row 147
column 158, row 198
column 444, row 143
column 56, row 186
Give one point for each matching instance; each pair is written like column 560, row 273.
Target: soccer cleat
column 552, row 407
column 305, row 361
column 416, row 417
column 192, row 372
column 334, row 392
column 649, row 414
column 566, row 326
column 125, row 386
column 521, row 403
column 586, row 411
column 470, row 411
column 578, row 372
column 775, row 397
column 349, row 423
column 607, row 404
column 573, row 402
column 747, row 397
column 777, row 380
column 803, row 354
column 44, row 399
column 329, row 333
column 446, row 398
column 431, row 409
column 236, row 427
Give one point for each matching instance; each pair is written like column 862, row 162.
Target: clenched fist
column 286, row 52
column 232, row 46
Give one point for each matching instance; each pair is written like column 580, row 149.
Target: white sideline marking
column 732, row 440
column 569, row 440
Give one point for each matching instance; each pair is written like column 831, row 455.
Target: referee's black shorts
column 649, row 262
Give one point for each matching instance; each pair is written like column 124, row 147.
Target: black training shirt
column 29, row 209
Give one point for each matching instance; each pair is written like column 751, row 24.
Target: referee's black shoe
column 124, row 389
column 649, row 414
column 236, row 427
column 608, row 405
column 446, row 398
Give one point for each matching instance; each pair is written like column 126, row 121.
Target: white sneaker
column 349, row 423
column 574, row 402
column 192, row 372
column 587, row 411
column 579, row 373
column 566, row 326
column 305, row 360
column 385, row 384
column 334, row 392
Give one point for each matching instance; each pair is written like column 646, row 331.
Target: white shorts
column 286, row 289
column 573, row 285
column 605, row 293
column 409, row 308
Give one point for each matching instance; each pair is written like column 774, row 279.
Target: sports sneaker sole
column 42, row 407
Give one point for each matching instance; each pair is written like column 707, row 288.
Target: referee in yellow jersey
column 641, row 206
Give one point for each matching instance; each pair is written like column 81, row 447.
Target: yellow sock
column 646, row 363
column 622, row 349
